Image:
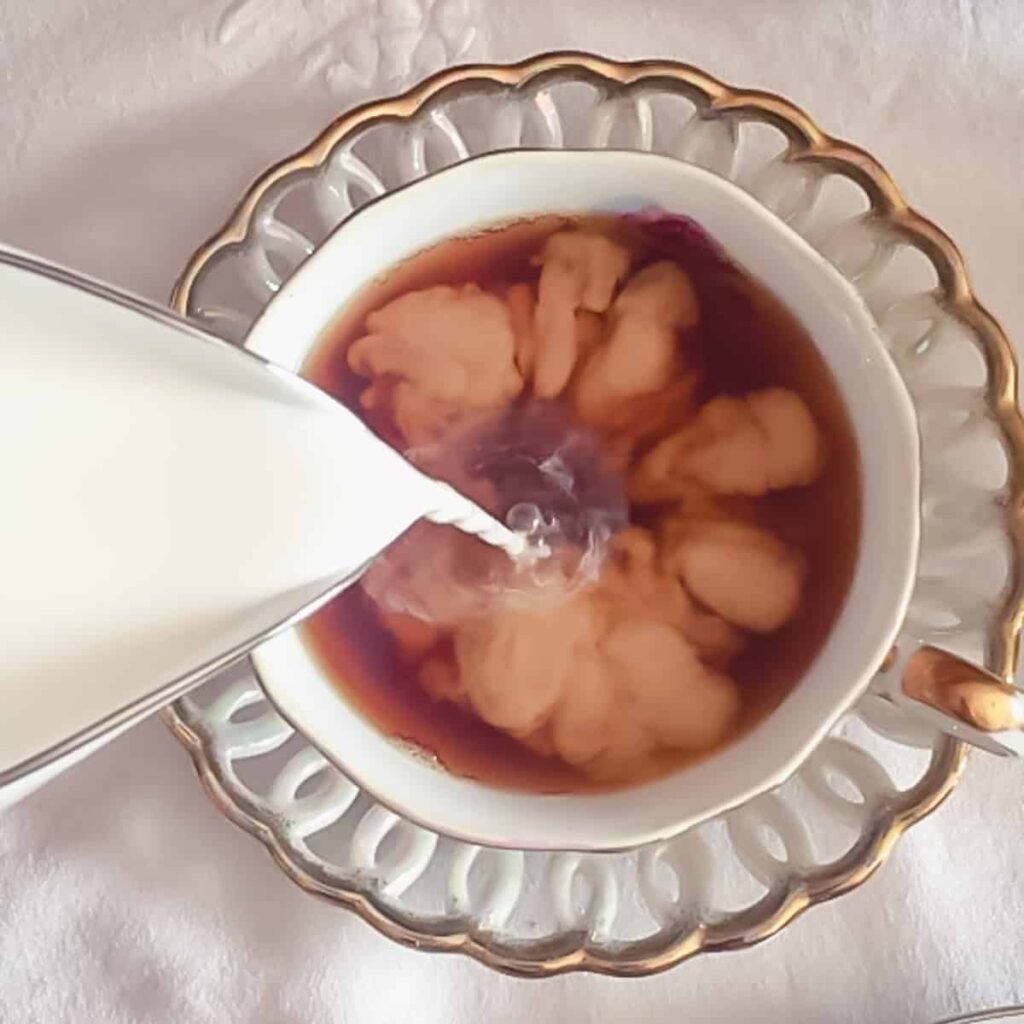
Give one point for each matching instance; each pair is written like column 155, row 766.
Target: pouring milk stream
column 169, row 500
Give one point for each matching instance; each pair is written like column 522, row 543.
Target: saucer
column 739, row 878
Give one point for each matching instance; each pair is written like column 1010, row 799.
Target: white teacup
column 509, row 186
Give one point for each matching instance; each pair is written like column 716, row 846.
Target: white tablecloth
column 127, row 130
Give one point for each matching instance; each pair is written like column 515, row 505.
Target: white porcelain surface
column 833, row 821
column 503, row 187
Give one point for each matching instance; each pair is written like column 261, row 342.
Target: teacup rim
column 265, row 658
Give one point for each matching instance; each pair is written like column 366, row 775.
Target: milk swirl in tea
column 664, row 429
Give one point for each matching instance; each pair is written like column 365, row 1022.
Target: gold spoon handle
column 963, row 691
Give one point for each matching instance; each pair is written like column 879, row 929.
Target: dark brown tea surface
column 706, row 409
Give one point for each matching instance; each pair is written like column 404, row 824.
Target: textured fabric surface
column 128, row 131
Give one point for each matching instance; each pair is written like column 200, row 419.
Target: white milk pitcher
column 169, row 500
